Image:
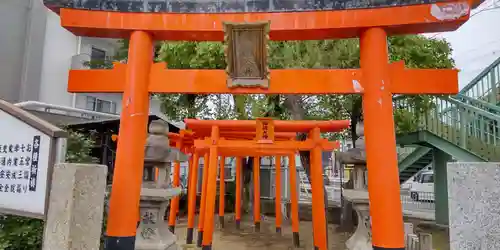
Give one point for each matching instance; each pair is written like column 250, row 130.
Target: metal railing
column 486, row 106
column 466, row 126
column 333, row 191
column 410, row 201
column 486, row 85
column 417, row 201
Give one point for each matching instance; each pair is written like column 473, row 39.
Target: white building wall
column 54, row 54
column 60, row 46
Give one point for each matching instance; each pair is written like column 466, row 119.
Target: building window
column 98, row 59
column 91, row 101
column 99, row 105
column 98, row 54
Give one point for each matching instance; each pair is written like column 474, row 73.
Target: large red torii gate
column 376, row 80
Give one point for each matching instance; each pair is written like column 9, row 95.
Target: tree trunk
column 295, row 105
column 356, row 116
column 191, row 105
column 247, row 166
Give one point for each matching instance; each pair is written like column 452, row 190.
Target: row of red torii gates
column 376, row 80
column 263, row 137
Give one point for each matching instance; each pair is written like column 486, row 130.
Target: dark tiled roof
column 226, row 6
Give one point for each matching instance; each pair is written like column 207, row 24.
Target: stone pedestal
column 362, row 237
column 474, row 208
column 153, row 232
column 76, row 206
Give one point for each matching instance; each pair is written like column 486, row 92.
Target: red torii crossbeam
column 283, row 81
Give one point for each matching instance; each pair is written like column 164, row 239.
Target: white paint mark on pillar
column 127, row 103
column 357, row 86
column 379, row 101
column 450, row 11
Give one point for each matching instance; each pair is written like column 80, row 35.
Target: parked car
column 422, row 188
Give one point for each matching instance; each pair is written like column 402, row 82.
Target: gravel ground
column 245, row 239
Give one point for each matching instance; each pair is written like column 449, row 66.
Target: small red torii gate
column 263, row 137
column 263, row 143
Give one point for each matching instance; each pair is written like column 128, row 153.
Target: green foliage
column 189, row 55
column 192, row 55
column 418, row 51
column 404, row 121
column 21, row 233
column 79, row 148
column 99, row 64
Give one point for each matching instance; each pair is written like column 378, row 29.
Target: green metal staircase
column 414, row 162
column 465, row 132
column 465, row 126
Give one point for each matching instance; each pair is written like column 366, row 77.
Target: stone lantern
column 153, row 232
column 357, row 157
column 356, row 198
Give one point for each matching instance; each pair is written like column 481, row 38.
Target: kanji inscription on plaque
column 265, row 130
column 246, row 54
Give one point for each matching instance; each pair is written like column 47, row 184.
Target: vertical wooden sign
column 265, row 130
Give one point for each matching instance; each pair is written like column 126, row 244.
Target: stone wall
column 474, row 205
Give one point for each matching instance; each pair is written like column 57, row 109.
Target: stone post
column 76, row 205
column 153, row 232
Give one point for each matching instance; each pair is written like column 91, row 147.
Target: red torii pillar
column 208, row 221
column 222, row 190
column 277, row 198
column 203, row 203
column 174, row 205
column 294, row 199
column 256, row 194
column 192, row 190
column 381, row 157
column 239, row 179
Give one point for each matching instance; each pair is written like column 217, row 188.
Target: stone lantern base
column 153, row 232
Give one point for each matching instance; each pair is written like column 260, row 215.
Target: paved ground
column 231, row 239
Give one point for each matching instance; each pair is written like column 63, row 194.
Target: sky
column 476, row 44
